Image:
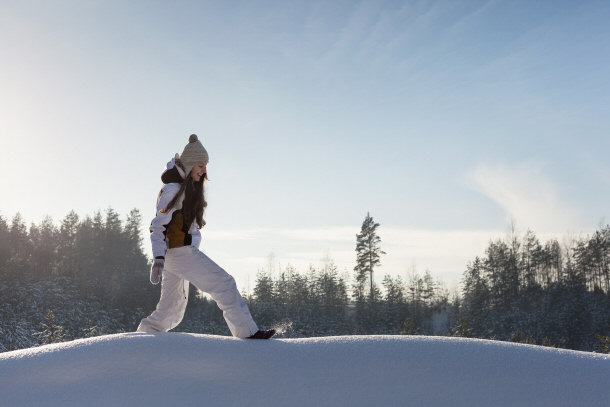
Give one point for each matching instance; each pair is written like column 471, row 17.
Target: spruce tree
column 49, row 331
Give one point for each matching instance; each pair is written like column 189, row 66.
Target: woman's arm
column 158, row 226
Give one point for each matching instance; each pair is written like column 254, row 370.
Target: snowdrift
column 176, row 369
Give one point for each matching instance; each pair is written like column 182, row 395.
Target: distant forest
column 88, row 276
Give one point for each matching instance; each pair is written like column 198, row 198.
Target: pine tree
column 368, row 252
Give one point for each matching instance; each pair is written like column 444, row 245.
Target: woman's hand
column 156, row 270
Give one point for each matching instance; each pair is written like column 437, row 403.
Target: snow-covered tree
column 604, row 345
column 49, row 331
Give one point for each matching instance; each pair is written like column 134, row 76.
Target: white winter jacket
column 159, row 224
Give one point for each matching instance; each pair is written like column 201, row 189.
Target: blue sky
column 443, row 119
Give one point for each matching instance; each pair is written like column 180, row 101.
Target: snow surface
column 178, row 369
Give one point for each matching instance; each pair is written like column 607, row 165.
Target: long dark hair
column 194, row 199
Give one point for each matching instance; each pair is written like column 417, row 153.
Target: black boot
column 262, row 334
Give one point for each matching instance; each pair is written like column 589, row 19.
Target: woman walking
column 175, row 237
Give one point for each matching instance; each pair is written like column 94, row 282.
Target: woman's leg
column 203, row 273
column 171, row 306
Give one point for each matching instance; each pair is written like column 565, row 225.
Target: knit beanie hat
column 193, row 153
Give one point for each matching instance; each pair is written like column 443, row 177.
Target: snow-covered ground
column 177, row 369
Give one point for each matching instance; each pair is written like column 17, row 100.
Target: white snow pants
column 187, row 263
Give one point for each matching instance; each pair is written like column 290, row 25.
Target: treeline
column 89, row 276
column 526, row 291
column 320, row 303
column 521, row 290
column 85, row 277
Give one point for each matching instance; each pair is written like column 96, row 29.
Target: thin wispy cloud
column 528, row 195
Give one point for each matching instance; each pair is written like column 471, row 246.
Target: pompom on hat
column 193, row 153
